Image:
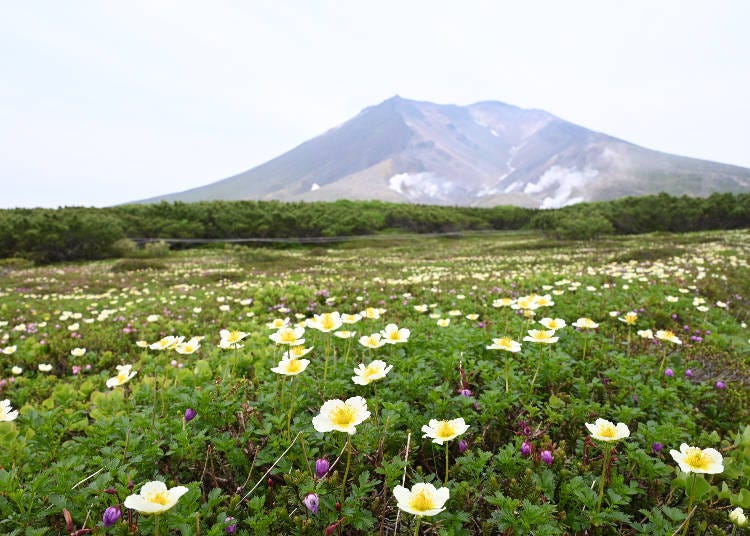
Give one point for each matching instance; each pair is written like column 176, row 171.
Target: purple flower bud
column 526, row 448
column 231, row 527
column 669, row 372
column 312, row 502
column 190, row 414
column 465, row 392
column 111, row 515
column 547, row 457
column 721, row 385
column 657, row 447
column 688, row 373
column 321, row 467
column 462, row 446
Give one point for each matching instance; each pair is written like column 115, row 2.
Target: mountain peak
column 486, row 153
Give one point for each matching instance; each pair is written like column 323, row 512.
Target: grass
column 249, row 457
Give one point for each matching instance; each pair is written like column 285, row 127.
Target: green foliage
column 133, row 265
column 78, row 233
column 251, row 450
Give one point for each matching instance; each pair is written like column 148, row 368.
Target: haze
column 107, row 102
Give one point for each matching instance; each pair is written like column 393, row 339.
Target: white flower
column 604, row 430
column 393, row 335
column 344, row 334
column 166, row 343
column 667, row 335
column 553, row 323
column 44, row 367
column 278, row 323
column 291, row 367
column 290, row 336
column 189, row 347
column 585, row 323
column 231, row 339
column 441, row 431
column 78, row 352
column 8, row 350
column 341, row 416
column 295, row 352
column 6, row 412
column 124, row 375
column 351, row 319
column 696, row 460
column 371, row 341
column 326, row 322
column 155, row 498
column 645, row 333
column 738, row 517
column 541, row 335
column 376, row 370
column 16, row 370
column 422, row 500
column 505, row 343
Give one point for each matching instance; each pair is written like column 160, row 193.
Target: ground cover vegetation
column 503, row 384
column 78, row 233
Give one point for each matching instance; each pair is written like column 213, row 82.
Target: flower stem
column 663, row 360
column 416, row 525
column 605, row 465
column 507, row 367
column 375, row 408
column 536, row 373
column 156, row 525
column 346, row 471
column 689, row 508
column 291, row 409
column 446, row 464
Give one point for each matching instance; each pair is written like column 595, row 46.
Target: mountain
column 488, row 153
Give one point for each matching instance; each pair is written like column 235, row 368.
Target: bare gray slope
column 482, row 154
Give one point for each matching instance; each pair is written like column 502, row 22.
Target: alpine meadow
column 485, row 382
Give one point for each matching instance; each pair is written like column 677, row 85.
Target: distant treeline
column 76, row 233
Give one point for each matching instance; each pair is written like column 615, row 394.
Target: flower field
column 502, row 384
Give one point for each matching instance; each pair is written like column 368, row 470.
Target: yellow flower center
column 667, row 334
column 342, row 415
column 234, row 336
column 394, row 336
column 607, row 430
column 294, row 365
column 505, row 342
column 327, row 322
column 158, row 498
column 370, row 371
column 421, row 501
column 542, row 335
column 287, row 336
column 696, row 460
column 445, row 429
column 297, row 350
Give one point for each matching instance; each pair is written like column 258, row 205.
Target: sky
column 104, row 102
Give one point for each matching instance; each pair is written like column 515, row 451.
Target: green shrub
column 133, row 265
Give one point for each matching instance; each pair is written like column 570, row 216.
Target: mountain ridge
column 481, row 154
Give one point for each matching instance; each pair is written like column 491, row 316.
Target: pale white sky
column 103, row 102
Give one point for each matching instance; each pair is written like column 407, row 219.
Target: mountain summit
column 487, row 153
